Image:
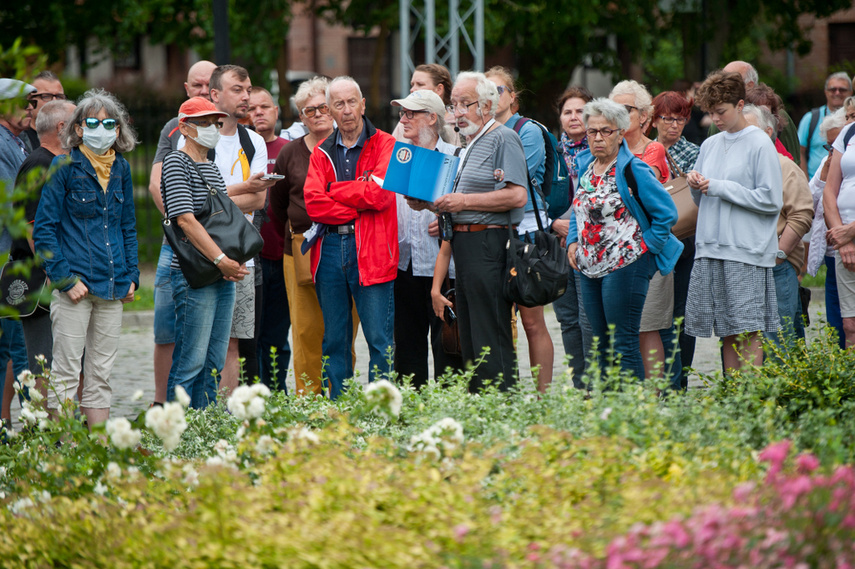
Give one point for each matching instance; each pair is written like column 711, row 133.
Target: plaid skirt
column 730, row 298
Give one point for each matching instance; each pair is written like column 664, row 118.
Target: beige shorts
column 845, row 288
column 658, row 313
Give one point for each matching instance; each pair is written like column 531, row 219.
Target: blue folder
column 420, row 173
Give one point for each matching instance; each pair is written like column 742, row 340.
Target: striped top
column 183, row 190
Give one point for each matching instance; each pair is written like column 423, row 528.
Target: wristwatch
column 780, row 254
column 219, row 258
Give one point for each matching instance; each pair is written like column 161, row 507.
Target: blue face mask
column 99, row 140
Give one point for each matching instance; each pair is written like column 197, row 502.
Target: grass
column 817, row 281
column 144, row 300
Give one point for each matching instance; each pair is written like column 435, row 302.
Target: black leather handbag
column 22, row 285
column 226, row 225
column 535, row 273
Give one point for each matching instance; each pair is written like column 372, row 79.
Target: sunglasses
column 837, row 90
column 92, row 122
column 501, row 89
column 309, row 112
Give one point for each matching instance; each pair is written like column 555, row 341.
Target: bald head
column 749, row 74
column 198, row 78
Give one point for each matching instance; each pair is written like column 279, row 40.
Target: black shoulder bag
column 226, row 225
column 535, row 273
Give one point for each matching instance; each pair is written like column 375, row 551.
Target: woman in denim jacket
column 85, row 228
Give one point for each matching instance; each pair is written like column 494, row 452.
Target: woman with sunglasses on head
column 289, row 206
column 85, row 229
column 203, row 316
column 657, row 327
column 617, row 237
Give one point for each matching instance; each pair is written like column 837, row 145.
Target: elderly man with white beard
column 422, row 120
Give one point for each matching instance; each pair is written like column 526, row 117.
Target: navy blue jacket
column 85, row 233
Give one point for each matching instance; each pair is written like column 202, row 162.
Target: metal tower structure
column 419, row 16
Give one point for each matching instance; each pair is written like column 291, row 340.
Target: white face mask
column 99, row 140
column 207, row 136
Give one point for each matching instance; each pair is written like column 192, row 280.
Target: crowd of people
column 772, row 202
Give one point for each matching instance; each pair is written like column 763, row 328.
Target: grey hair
column 89, row 105
column 849, row 102
column 52, row 114
column 486, row 89
column 837, row 119
column 46, row 75
column 842, row 75
column 310, row 88
column 342, row 79
column 765, row 119
column 643, row 100
column 751, row 75
column 613, row 112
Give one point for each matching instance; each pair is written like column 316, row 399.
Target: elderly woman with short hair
column 618, row 236
column 85, row 228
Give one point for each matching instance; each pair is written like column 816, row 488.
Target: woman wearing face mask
column 203, row 316
column 85, row 229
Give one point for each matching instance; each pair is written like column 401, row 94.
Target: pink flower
column 775, row 454
column 807, row 463
column 460, row 531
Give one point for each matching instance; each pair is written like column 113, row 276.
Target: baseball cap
column 422, row 100
column 12, row 89
column 198, row 107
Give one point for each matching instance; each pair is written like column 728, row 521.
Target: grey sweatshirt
column 737, row 217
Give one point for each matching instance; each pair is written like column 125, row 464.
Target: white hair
column 841, row 75
column 343, row 79
column 765, row 120
column 614, row 113
column 310, row 88
column 837, row 119
column 641, row 95
column 485, row 89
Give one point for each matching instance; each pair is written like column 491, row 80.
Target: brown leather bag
column 450, row 330
column 302, row 263
column 678, row 188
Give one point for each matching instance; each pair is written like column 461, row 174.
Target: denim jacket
column 85, row 233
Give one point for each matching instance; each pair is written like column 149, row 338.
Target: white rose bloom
column 168, row 423
column 114, row 471
column 247, row 401
column 138, row 394
column 32, row 416
column 265, row 445
column 99, row 488
column 181, row 396
column 304, row 434
column 27, row 379
column 384, row 397
column 121, row 434
column 191, row 477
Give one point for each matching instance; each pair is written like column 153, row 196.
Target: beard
column 470, row 128
column 424, row 138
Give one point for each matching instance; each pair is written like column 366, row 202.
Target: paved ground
column 134, row 368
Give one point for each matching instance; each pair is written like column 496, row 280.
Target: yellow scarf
column 102, row 164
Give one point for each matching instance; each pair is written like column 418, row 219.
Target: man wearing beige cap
column 422, row 120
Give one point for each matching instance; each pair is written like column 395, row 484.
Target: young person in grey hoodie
column 738, row 188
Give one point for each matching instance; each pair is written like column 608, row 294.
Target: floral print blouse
column 609, row 236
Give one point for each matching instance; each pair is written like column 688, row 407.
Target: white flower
column 36, row 396
column 114, row 471
column 191, row 477
column 181, row 396
column 40, row 358
column 138, row 394
column 32, row 416
column 441, row 438
column 168, row 423
column 26, row 379
column 99, row 488
column 265, row 445
column 20, row 505
column 605, row 414
column 121, row 434
column 225, row 452
column 384, row 398
column 304, row 434
column 247, row 401
column 424, row 443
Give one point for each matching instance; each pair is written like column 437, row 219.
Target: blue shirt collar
column 363, row 136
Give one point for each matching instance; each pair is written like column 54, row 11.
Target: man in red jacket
column 356, row 255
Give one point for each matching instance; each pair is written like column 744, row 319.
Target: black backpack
column 556, row 179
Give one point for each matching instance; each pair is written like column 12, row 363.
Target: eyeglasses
column 629, row 108
column 47, row 97
column 408, row 113
column 461, row 108
column 672, row 120
column 605, row 132
column 309, row 112
column 501, row 89
column 92, row 122
column 204, row 123
column 838, row 90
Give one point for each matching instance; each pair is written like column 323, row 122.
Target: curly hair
column 721, row 87
column 763, row 95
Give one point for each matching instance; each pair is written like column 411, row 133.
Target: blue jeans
column 164, row 306
column 576, row 331
column 274, row 323
column 203, row 318
column 618, row 299
column 337, row 285
column 789, row 304
column 832, row 302
column 12, row 347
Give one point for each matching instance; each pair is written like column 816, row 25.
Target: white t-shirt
column 233, row 163
column 846, row 197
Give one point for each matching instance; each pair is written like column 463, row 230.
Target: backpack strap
column 245, row 143
column 849, row 134
column 632, row 184
column 814, row 120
